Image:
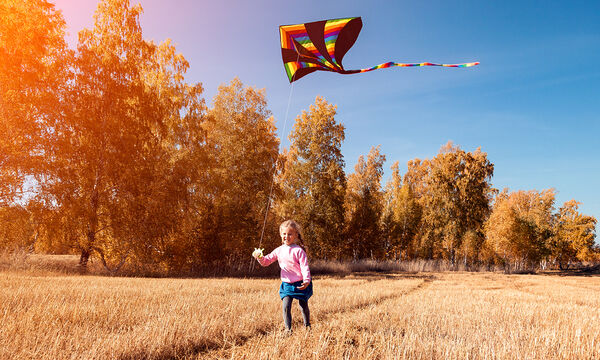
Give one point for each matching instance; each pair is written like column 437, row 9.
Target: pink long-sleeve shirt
column 292, row 261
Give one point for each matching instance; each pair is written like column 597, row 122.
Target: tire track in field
column 427, row 280
column 526, row 289
column 220, row 352
column 210, row 348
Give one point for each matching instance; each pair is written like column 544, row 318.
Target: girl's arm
column 269, row 259
column 304, row 269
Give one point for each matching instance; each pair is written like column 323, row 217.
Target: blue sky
column 533, row 104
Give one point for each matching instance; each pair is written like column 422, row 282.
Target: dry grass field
column 451, row 315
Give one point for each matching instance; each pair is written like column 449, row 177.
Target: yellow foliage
column 312, row 180
column 364, row 208
column 33, row 63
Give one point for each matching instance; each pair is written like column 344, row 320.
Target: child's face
column 289, row 236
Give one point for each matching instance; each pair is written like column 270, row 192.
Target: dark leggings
column 286, row 305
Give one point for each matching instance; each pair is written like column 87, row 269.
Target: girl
column 295, row 274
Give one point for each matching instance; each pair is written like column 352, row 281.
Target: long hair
column 294, row 225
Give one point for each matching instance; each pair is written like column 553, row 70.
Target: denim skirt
column 291, row 289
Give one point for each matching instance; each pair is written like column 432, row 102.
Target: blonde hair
column 294, row 225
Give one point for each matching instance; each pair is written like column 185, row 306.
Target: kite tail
column 392, row 64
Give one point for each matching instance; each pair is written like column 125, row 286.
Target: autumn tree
column 115, row 183
column 573, row 235
column 455, row 197
column 17, row 231
column 170, row 178
column 402, row 216
column 415, row 182
column 33, row 73
column 364, row 208
column 313, row 180
column 520, row 227
column 388, row 225
column 243, row 153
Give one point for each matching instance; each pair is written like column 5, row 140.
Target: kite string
column 262, row 233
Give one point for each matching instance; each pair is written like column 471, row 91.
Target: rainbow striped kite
column 321, row 45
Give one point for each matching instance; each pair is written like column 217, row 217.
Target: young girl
column 295, row 274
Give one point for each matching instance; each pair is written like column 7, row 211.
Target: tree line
column 107, row 152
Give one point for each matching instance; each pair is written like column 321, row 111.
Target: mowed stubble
column 386, row 316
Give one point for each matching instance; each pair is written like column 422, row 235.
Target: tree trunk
column 83, row 259
column 92, row 226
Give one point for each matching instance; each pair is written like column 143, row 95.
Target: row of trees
column 442, row 208
column 106, row 151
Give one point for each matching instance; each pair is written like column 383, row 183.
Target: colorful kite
column 321, row 45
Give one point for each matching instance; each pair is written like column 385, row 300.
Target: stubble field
column 359, row 316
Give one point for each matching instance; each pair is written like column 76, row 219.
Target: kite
column 321, row 45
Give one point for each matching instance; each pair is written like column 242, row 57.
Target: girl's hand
column 258, row 253
column 304, row 285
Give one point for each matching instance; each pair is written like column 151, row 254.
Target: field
column 451, row 315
